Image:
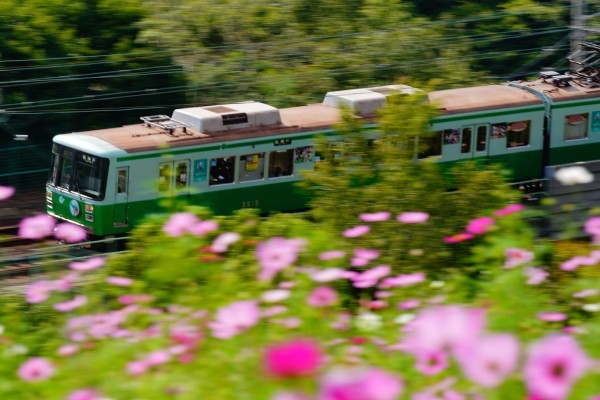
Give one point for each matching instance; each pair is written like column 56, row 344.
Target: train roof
column 480, row 98
column 558, row 91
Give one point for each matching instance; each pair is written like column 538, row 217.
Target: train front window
column 79, row 172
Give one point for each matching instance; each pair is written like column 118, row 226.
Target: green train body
column 249, row 155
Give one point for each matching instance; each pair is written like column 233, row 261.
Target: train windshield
column 78, row 172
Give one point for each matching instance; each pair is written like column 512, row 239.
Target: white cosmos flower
column 368, row 322
column 591, row 307
column 573, row 175
column 404, row 318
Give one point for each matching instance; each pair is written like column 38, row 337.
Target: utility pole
column 580, row 26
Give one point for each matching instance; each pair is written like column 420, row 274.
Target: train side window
column 122, row 180
column 430, row 145
column 465, row 144
column 164, row 177
column 221, row 170
column 451, row 136
column 181, row 174
column 252, row 167
column 481, row 138
column 517, row 134
column 281, row 163
column 576, row 126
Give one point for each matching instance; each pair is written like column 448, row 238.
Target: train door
column 474, row 141
column 173, row 178
column 122, row 197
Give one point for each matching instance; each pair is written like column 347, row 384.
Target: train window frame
column 466, row 137
column 576, row 127
column 164, row 179
column 251, row 169
column 122, row 181
column 518, row 138
column 221, row 171
column 181, row 180
column 281, row 163
column 431, row 145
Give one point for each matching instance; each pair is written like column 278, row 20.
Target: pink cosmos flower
column 535, row 276
column 362, row 257
column 459, row 237
column 356, row 231
column 6, row 192
column 576, row 262
column 412, row 217
column 119, row 281
column 157, row 357
column 592, row 226
column 85, row 394
column 39, row 291
column 180, row 223
column 70, row 233
column 36, row 369
column 36, row 227
column 223, row 241
column 201, row 228
column 359, row 384
column 553, row 364
column 70, row 305
column 370, row 277
column 490, row 359
column 509, row 209
column 277, row 254
column 136, row 368
column 295, row 358
column 479, row 226
column 586, row 293
column 402, row 280
column 88, row 265
column 431, row 362
column 375, row 217
column 276, row 295
column 331, row 255
column 552, row 316
column 67, row 350
column 290, row 396
column 409, row 304
column 322, row 296
column 235, row 319
column 327, row 275
column 516, row 257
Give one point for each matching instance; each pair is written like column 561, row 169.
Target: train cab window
column 221, row 170
column 252, row 167
column 465, row 142
column 181, row 174
column 517, row 134
column 481, row 138
column 122, row 180
column 281, row 163
column 164, row 177
column 430, row 145
column 576, row 126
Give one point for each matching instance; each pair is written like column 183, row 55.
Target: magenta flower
column 459, row 237
column 362, row 257
column 509, row 209
column 576, row 262
column 39, row 291
column 322, row 296
column 296, row 358
column 70, row 305
column 479, row 226
column 327, row 275
column 36, row 227
column 402, row 280
column 88, row 265
column 136, row 368
column 409, row 304
column 6, row 192
column 553, row 364
column 277, row 254
column 360, row 384
column 290, row 396
column 85, row 394
column 276, row 295
column 235, row 319
column 70, row 233
column 586, row 293
column 36, row 369
column 431, row 362
column 68, row 349
column 201, row 228
column 412, row 217
column 592, row 226
column 119, row 281
column 535, row 276
column 490, row 359
column 356, row 231
column 375, row 217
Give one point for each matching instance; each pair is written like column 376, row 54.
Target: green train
column 250, row 154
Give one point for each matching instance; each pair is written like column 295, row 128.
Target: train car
column 249, row 154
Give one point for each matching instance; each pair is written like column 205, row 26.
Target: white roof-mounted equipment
column 365, row 101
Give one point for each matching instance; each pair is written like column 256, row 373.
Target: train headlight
column 89, row 208
column 49, row 198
